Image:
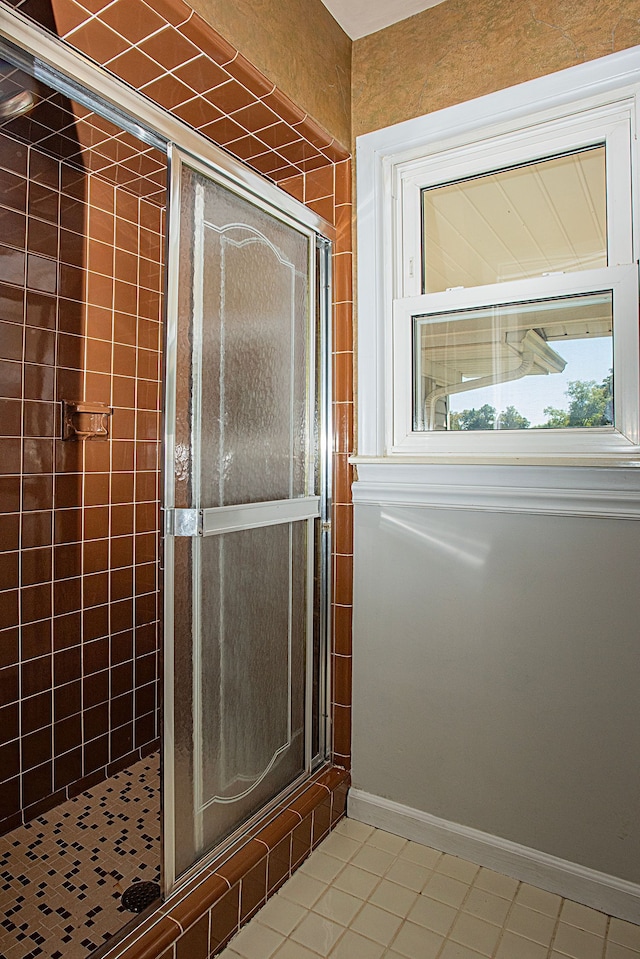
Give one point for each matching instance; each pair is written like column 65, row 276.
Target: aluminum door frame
column 201, row 522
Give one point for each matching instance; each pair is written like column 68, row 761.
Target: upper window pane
column 542, row 217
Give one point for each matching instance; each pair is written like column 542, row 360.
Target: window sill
column 601, row 490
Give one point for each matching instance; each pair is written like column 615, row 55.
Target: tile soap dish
column 85, row 421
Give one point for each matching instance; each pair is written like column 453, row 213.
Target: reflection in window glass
column 547, row 216
column 545, row 364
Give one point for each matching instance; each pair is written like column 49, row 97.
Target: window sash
column 621, row 280
column 610, row 126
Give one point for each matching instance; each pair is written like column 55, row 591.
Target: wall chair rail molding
column 609, row 894
column 598, row 493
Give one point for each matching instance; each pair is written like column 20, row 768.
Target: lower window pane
column 546, row 364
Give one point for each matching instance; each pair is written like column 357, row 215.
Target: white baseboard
column 616, row 897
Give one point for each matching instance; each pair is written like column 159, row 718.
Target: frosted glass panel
column 254, row 368
column 244, row 433
column 252, row 676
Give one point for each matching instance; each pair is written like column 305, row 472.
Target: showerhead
column 15, row 104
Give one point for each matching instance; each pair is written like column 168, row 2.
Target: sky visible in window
column 587, row 359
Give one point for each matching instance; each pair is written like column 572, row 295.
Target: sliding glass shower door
column 243, row 508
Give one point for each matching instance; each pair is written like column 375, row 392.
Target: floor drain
column 140, row 895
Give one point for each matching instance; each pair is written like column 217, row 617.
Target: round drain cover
column 140, row 895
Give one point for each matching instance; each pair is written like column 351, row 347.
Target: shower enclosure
column 244, row 502
column 241, row 543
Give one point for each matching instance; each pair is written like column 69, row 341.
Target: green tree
column 482, row 419
column 510, row 419
column 590, row 404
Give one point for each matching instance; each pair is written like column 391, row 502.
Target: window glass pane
column 544, row 217
column 531, row 365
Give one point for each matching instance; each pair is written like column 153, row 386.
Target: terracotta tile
column 201, row 74
column 126, row 266
column 294, row 185
column 238, row 865
column 343, row 377
column 13, row 228
column 39, row 382
column 342, row 277
column 342, row 731
column 10, row 377
column 256, row 117
column 313, row 162
column 343, row 223
column 301, row 841
column 336, row 152
column 285, row 108
column 169, row 47
column 343, row 427
column 308, row 800
column 37, row 456
column 278, row 135
column 173, row 11
column 341, row 666
column 194, row 944
column 339, row 802
column 268, row 163
column 68, row 15
column 323, row 207
column 343, row 588
column 197, row 112
column 342, row 328
column 253, row 890
column 275, row 832
column 153, row 940
column 97, row 41
column 12, row 264
column 319, row 184
column 97, row 389
column 321, row 820
column 343, row 529
column 297, row 151
column 132, row 19
column 135, row 68
column 279, row 864
column 314, row 133
column 230, row 97
column 225, row 918
column 342, row 616
column 9, row 571
column 10, row 493
column 168, row 91
column 208, row 40
column 10, row 460
column 12, row 304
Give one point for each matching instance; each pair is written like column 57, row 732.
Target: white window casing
column 591, row 104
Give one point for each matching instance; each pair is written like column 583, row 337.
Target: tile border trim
column 317, row 808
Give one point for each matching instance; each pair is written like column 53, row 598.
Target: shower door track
column 70, row 72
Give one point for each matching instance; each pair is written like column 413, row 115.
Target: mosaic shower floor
column 62, row 875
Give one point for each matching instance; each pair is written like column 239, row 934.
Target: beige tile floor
column 365, row 894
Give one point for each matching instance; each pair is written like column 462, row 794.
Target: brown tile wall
column 179, row 61
column 80, row 319
column 182, row 63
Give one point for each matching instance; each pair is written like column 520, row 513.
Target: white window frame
column 585, row 105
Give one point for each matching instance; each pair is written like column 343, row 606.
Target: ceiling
column 358, row 18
